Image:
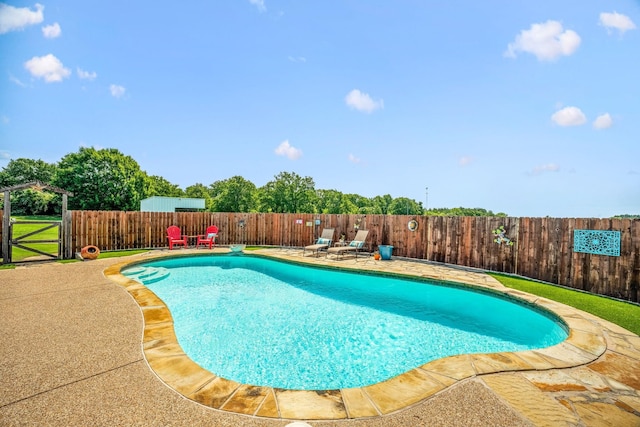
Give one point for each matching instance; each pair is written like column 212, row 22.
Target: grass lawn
column 621, row 313
column 115, row 254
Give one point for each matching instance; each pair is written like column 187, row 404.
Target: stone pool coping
column 588, row 341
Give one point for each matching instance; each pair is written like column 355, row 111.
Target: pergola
column 6, row 218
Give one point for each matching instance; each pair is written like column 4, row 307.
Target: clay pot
column 376, row 256
column 89, row 252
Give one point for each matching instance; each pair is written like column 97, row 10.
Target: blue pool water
column 270, row 323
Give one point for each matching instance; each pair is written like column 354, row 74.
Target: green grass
column 115, row 254
column 621, row 313
column 37, row 218
column 109, row 254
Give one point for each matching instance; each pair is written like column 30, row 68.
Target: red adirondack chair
column 209, row 238
column 175, row 237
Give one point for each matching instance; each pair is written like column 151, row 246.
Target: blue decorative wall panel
column 597, row 242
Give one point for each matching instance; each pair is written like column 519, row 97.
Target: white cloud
column 4, row 120
column 616, row 20
column 569, row 116
column 354, row 159
column 550, row 167
column 4, row 155
column 297, row 59
column 86, row 75
column 259, row 4
column 16, row 18
column 287, row 150
column 603, row 121
column 547, row 41
column 465, row 160
column 17, row 81
column 52, row 31
column 362, row 101
column 47, row 67
column 117, row 91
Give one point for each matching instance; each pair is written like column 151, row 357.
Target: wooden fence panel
column 436, row 231
column 566, row 250
column 542, row 249
column 415, row 240
column 629, row 271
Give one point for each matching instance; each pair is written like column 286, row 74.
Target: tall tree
column 333, row 202
column 199, row 191
column 30, row 202
column 463, row 212
column 101, row 180
column 158, row 186
column 288, row 192
column 363, row 204
column 21, row 171
column 405, row 206
column 381, row 203
column 235, row 194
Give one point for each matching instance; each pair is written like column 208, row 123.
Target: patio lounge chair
column 209, row 238
column 323, row 242
column 354, row 246
column 175, row 237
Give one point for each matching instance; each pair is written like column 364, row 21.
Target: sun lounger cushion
column 322, row 241
column 356, row 244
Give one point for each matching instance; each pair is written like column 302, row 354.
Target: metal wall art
column 598, row 242
column 500, row 236
column 356, row 226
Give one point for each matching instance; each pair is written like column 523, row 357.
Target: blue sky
column 531, row 108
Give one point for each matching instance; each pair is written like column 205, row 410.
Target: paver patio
column 80, row 348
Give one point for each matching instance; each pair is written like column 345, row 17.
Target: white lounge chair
column 323, row 242
column 353, row 246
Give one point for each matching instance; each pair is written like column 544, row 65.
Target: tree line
column 107, row 179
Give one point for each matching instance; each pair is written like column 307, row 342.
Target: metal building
column 171, row 204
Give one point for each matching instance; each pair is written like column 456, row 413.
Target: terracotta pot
column 89, row 252
column 376, row 256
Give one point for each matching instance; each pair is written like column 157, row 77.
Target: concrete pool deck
column 77, row 349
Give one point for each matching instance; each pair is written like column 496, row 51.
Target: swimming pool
column 265, row 322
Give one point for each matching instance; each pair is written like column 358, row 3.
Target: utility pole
column 426, row 201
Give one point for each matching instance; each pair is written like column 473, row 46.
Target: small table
column 191, row 238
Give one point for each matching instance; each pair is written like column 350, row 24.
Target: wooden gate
column 64, row 231
column 22, row 240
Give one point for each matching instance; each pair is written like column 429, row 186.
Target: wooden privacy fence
column 541, row 248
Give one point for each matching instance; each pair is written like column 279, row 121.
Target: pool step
column 148, row 275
